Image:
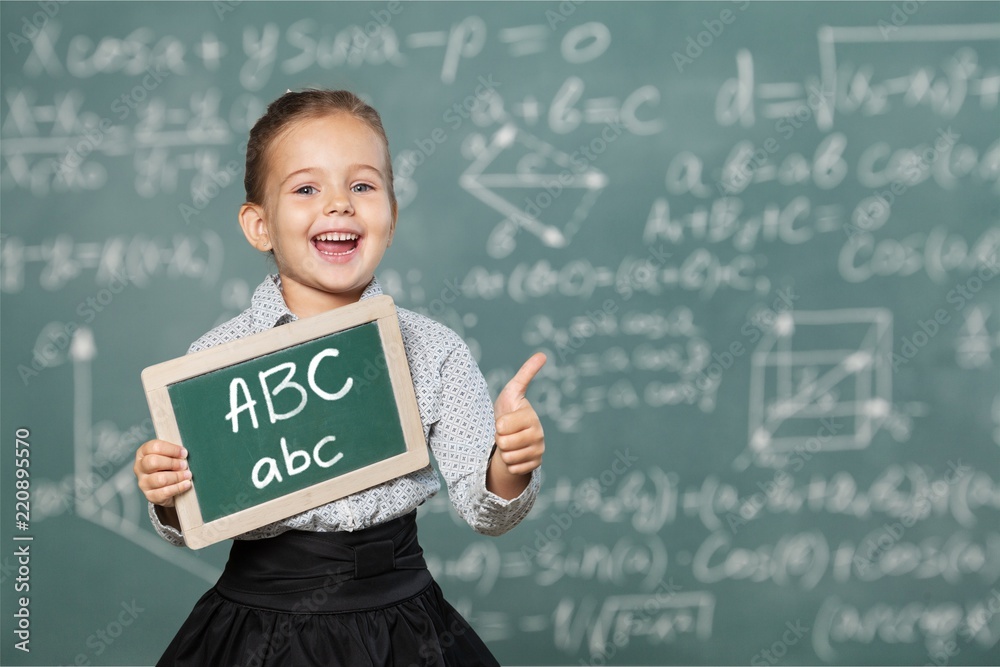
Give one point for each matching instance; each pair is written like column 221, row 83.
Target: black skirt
column 361, row 599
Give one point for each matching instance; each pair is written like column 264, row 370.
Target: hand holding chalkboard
column 162, row 472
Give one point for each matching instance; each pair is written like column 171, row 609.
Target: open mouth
column 336, row 244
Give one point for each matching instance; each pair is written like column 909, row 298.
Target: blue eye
column 306, row 187
column 361, row 185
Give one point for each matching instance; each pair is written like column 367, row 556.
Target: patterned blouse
column 457, row 416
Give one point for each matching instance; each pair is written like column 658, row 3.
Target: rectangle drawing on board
column 289, row 419
column 821, row 365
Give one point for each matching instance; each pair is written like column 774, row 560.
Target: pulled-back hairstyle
column 296, row 106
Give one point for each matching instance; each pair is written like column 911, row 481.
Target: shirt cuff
column 498, row 515
column 169, row 533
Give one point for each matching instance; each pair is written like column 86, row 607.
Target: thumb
column 513, row 393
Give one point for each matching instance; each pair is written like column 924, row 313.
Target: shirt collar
column 373, row 289
column 268, row 308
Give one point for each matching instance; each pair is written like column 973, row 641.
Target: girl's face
column 327, row 214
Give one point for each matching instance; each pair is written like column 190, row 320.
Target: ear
column 254, row 226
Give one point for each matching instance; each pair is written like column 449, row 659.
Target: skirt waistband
column 308, row 572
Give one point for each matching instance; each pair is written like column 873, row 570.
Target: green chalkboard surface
column 289, row 418
column 363, row 421
column 757, row 240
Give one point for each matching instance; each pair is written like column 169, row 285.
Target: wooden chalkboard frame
column 157, row 379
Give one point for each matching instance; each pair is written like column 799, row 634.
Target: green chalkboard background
column 363, row 420
column 755, row 239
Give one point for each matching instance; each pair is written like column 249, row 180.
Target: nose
column 339, row 202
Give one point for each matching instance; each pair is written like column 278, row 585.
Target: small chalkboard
column 288, row 419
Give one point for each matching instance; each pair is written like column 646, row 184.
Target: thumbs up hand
column 520, row 439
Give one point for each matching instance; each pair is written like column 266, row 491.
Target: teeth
column 337, row 236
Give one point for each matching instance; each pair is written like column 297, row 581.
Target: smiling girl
column 346, row 583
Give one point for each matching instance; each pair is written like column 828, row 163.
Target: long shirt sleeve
column 462, row 440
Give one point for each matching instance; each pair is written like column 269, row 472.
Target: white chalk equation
column 267, row 50
column 848, row 82
column 977, row 339
column 604, row 627
column 634, row 562
column 664, row 617
column 947, row 629
column 55, row 143
column 651, row 500
column 117, row 259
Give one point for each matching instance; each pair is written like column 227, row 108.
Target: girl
column 345, row 583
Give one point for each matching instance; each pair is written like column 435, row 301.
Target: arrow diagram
column 532, row 184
